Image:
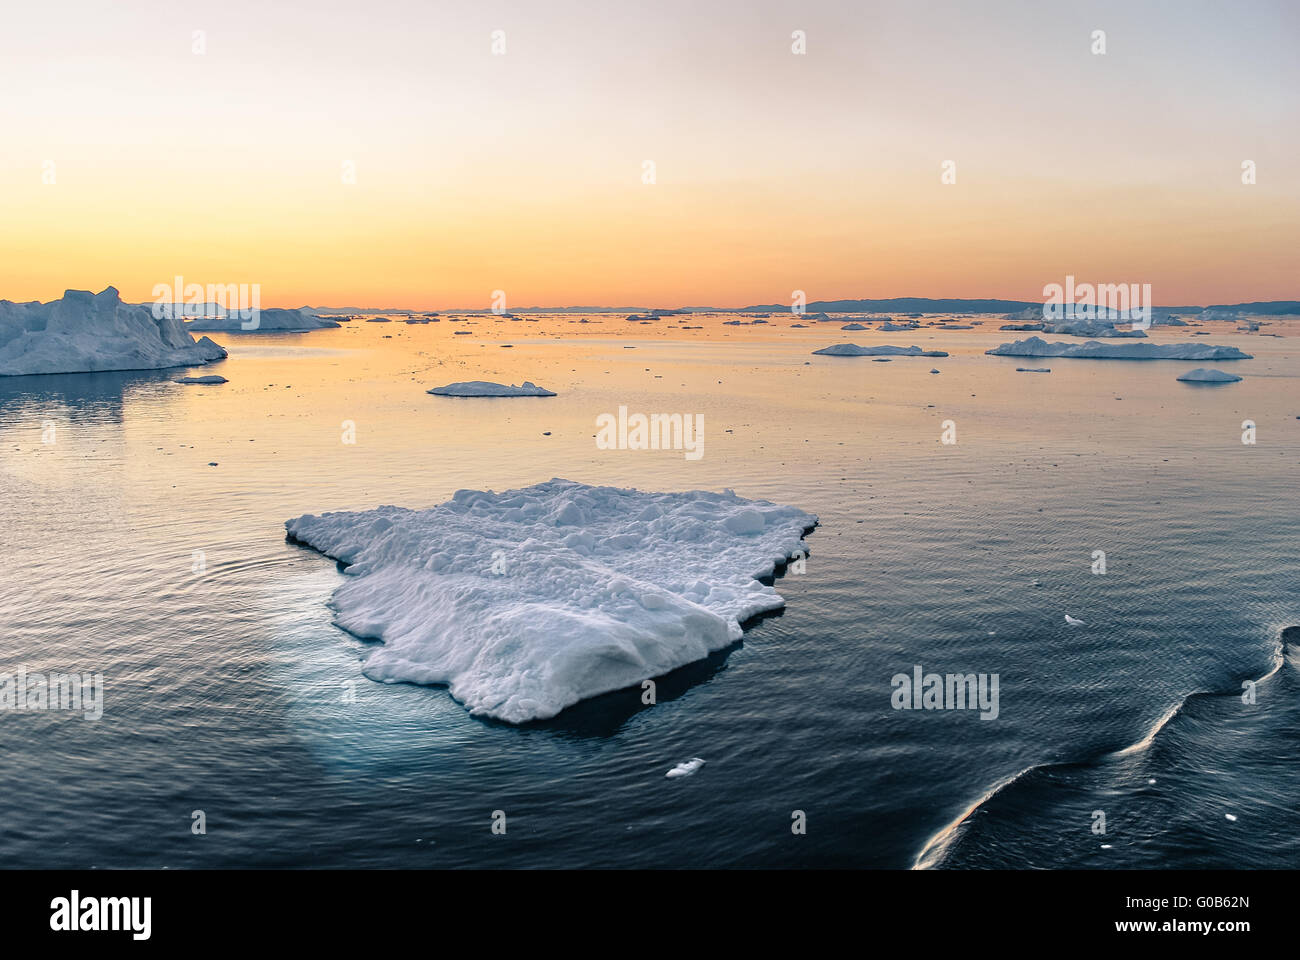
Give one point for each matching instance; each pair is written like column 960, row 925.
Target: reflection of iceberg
column 85, row 332
column 1038, row 347
column 528, row 601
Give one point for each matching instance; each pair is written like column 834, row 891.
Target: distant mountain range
column 891, row 305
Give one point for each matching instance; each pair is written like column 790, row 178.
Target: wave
column 936, row 849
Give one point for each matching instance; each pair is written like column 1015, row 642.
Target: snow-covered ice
column 1093, row 349
column 685, row 768
column 885, row 350
column 85, row 332
column 527, row 601
column 853, row 326
column 1209, row 375
column 485, row 388
column 269, row 320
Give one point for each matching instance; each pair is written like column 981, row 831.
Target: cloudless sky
column 774, row 171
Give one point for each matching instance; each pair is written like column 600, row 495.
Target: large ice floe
column 527, row 601
column 85, row 332
column 885, row 350
column 268, row 320
column 485, row 388
column 1038, row 347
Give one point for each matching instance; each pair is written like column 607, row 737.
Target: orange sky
column 774, row 171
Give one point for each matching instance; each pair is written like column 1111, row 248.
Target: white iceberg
column 268, row 320
column 885, row 350
column 1093, row 349
column 85, row 332
column 1089, row 327
column 527, row 601
column 485, row 388
column 687, row 767
column 1208, row 375
column 1072, row 621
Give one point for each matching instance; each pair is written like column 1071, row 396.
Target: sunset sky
column 523, row 172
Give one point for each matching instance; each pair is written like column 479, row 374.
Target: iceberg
column 485, row 388
column 211, row 378
column 885, row 350
column 1208, row 375
column 269, row 320
column 85, row 332
column 853, row 326
column 687, row 767
column 1093, row 349
column 527, row 601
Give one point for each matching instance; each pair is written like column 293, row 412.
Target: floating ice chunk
column 686, row 768
column 1230, row 816
column 268, row 320
column 85, row 332
column 1033, row 369
column 210, row 378
column 1093, row 349
column 885, row 350
column 485, row 388
column 527, row 601
column 1072, row 621
column 853, row 326
column 932, row 370
column 1209, row 375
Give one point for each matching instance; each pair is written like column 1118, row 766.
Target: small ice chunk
column 688, row 767
column 1229, row 816
column 1072, row 621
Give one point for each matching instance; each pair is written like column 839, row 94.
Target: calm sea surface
column 126, row 552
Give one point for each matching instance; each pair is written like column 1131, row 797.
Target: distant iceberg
column 269, row 320
column 527, row 601
column 1089, row 327
column 853, row 326
column 85, row 332
column 485, row 388
column 1208, row 375
column 853, row 350
column 1038, row 347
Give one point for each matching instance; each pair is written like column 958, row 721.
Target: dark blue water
column 228, row 691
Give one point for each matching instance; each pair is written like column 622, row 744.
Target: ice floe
column 485, row 388
column 885, row 350
column 85, row 332
column 527, row 601
column 210, row 378
column 1209, row 375
column 685, row 768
